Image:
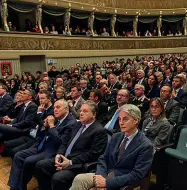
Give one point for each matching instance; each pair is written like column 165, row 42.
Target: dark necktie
column 68, row 151
column 21, row 113
column 122, row 148
column 74, row 103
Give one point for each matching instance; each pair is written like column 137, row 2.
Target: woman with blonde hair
column 60, row 93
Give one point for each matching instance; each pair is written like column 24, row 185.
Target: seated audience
column 127, row 158
column 76, row 101
column 36, row 29
column 96, row 97
column 14, row 108
column 23, row 122
column 172, row 107
column 5, row 101
column 60, row 93
column 24, row 161
column 105, row 33
column 113, row 83
column 155, row 125
column 87, row 142
column 177, row 85
column 84, row 88
column 152, row 90
column 140, row 100
column 53, row 31
column 122, row 98
column 44, row 110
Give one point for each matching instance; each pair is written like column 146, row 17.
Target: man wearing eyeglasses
column 122, row 98
column 172, row 107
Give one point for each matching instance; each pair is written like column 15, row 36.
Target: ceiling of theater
column 125, row 7
column 138, row 4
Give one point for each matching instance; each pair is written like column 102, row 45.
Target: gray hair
column 64, row 102
column 92, row 105
column 132, row 110
column 141, row 86
column 141, row 71
column 43, row 84
column 158, row 72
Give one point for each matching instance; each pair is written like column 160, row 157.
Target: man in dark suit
column 141, row 78
column 172, row 107
column 98, row 78
column 177, row 85
column 23, row 122
column 87, row 142
column 5, row 101
column 44, row 110
column 140, row 100
column 76, row 102
column 96, row 96
column 127, row 158
column 122, row 98
column 24, row 161
column 84, row 88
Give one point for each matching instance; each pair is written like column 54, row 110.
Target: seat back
column 182, row 143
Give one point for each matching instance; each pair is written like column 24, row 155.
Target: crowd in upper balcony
column 55, row 30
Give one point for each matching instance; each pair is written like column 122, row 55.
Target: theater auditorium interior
column 93, row 95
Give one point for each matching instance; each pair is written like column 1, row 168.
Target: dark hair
column 4, row 87
column 38, row 72
column 76, row 86
column 97, row 93
column 160, row 102
column 156, row 80
column 47, row 93
column 171, row 89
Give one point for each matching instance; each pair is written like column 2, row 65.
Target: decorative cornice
column 27, row 41
column 122, row 7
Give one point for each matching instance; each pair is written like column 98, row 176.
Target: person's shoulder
column 173, row 102
column 144, row 140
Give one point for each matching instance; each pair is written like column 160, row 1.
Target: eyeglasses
column 163, row 91
column 138, row 89
column 121, row 95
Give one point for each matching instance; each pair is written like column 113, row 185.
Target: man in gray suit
column 76, row 102
column 127, row 157
column 172, row 107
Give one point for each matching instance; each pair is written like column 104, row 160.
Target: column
column 67, row 18
column 159, row 25
column 112, row 25
column 91, row 22
column 4, row 15
column 185, row 24
column 135, row 26
column 39, row 17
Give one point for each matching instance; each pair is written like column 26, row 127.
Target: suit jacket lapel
column 88, row 130
column 74, row 132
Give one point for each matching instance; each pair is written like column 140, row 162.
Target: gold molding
column 29, row 41
column 122, row 7
column 15, row 54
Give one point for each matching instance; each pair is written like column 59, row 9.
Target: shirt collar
column 63, row 118
column 27, row 103
column 132, row 136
